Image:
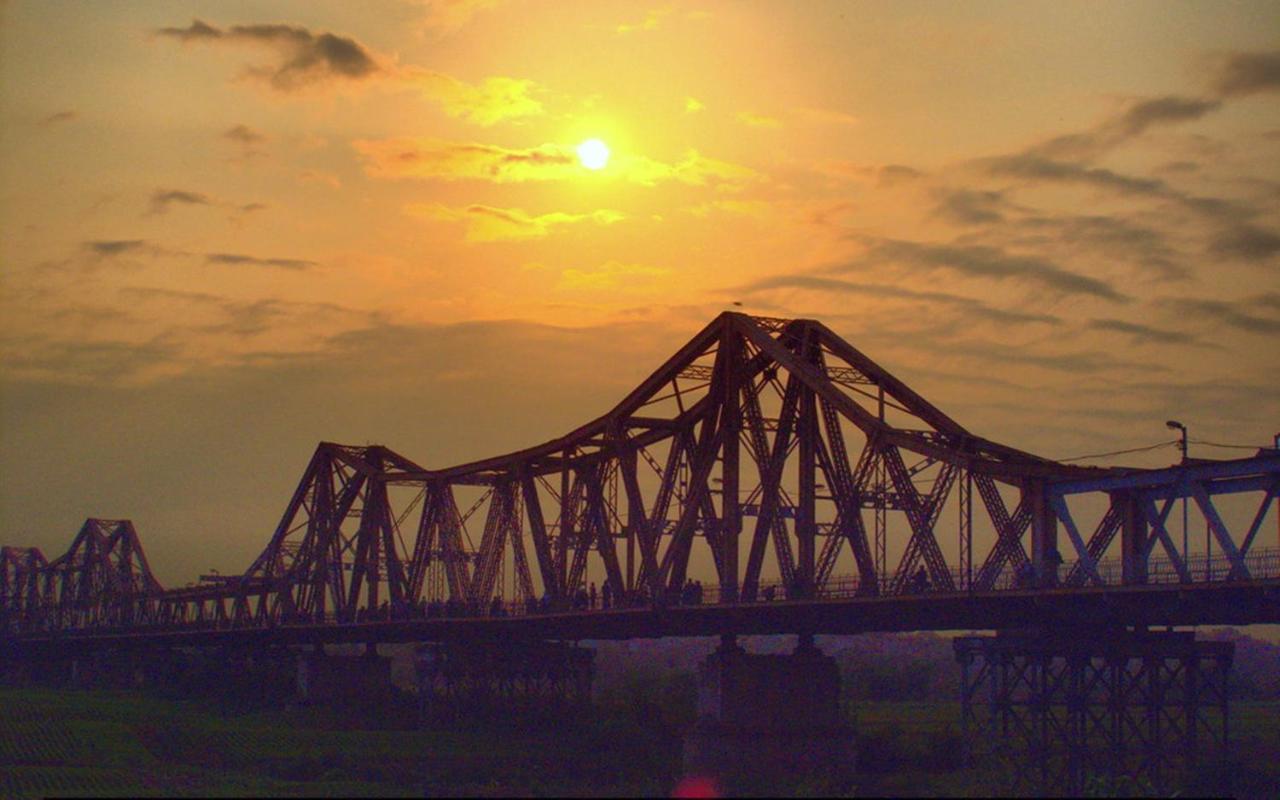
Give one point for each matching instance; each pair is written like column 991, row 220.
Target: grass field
column 105, row 743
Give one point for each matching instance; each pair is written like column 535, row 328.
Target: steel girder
column 777, row 420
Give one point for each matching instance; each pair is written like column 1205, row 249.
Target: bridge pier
column 503, row 680
column 769, row 715
column 1064, row 709
column 343, row 679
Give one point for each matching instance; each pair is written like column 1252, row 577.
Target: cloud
column 884, row 175
column 303, row 58
column 1231, row 314
column 1111, row 237
column 449, row 16
column 1245, row 242
column 758, row 120
column 969, row 206
column 966, row 305
column 1240, row 74
column 436, row 159
column 320, row 176
column 983, row 262
column 58, row 117
column 244, row 136
column 492, row 101
column 1143, row 333
column 489, row 224
column 1130, row 123
column 692, row 105
column 1083, row 363
column 161, row 199
column 433, row 158
column 254, row 261
column 118, row 247
column 651, row 21
column 1038, row 168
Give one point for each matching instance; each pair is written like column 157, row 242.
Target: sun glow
column 594, row 154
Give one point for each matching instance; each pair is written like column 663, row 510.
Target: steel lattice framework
column 768, row 453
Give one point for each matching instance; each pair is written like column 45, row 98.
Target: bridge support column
column 522, row 681
column 768, row 715
column 1062, row 709
column 343, row 679
column 1133, row 537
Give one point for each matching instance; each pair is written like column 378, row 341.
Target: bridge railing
column 1262, row 564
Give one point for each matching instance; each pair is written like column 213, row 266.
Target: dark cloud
column 161, row 199
column 1085, row 362
column 249, row 208
column 1248, row 73
column 1130, row 123
column 1143, row 333
column 897, row 173
column 61, row 116
column 1161, row 111
column 966, row 305
column 1245, row 242
column 970, row 206
column 240, row 259
column 982, row 262
column 243, row 134
column 1180, row 167
column 1231, row 314
column 1038, row 168
column 82, row 361
column 117, row 247
column 305, row 58
column 1113, row 236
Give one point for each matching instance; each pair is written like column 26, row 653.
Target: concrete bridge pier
column 769, row 715
column 345, row 679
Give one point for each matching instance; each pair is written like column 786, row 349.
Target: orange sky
column 234, row 229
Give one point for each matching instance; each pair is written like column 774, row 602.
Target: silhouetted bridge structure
column 809, row 489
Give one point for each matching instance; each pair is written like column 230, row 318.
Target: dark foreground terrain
column 898, row 692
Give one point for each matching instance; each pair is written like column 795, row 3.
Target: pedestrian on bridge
column 591, row 593
column 606, row 593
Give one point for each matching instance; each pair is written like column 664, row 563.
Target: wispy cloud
column 443, row 160
column 303, row 58
column 59, row 117
column 752, row 120
column 489, row 224
column 652, row 19
column 110, row 248
column 1144, row 333
column 1240, row 74
column 1233, row 314
column 162, row 199
column 239, row 259
column 489, row 102
column 450, row 16
column 968, row 306
column 981, row 262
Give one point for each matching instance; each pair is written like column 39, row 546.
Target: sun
column 594, row 154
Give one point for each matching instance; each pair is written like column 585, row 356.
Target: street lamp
column 1173, row 424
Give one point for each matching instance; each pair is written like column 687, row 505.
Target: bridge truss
column 768, row 456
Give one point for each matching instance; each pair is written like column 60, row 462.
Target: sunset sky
column 234, row 229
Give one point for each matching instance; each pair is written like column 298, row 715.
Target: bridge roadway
column 1217, row 603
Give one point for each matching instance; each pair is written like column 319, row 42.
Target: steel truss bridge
column 805, row 486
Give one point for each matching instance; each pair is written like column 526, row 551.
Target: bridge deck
column 1236, row 603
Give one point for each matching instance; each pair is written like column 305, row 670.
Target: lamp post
column 1173, row 424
